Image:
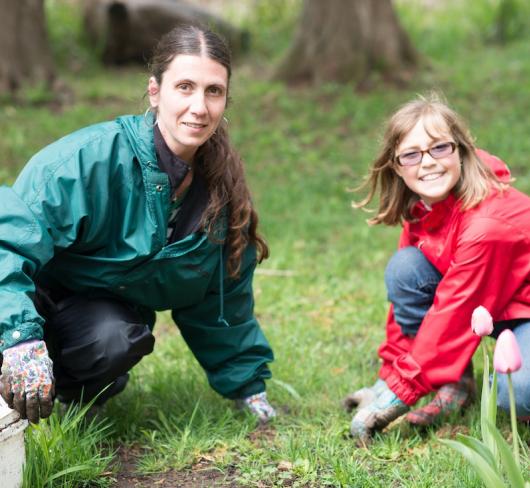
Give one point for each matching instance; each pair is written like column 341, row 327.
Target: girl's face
column 190, row 102
column 431, row 178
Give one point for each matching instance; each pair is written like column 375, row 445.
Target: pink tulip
column 507, row 356
column 481, row 321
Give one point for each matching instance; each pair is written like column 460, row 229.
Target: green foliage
column 70, row 47
column 271, row 24
column 491, row 457
column 511, row 20
column 442, row 30
column 66, row 451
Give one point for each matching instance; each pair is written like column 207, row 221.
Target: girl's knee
column 521, row 388
column 405, row 269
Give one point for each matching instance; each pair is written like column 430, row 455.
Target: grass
column 68, row 450
column 304, row 149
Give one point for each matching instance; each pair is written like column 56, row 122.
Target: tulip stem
column 515, row 435
column 486, row 365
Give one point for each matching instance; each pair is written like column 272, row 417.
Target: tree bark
column 25, row 55
column 348, row 40
column 128, row 30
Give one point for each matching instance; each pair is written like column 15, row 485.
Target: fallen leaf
column 285, row 466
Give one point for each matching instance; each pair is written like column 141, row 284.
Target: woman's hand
column 27, row 382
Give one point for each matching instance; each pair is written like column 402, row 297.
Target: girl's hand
column 364, row 397
column 377, row 415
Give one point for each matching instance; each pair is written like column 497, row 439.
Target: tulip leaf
column 492, row 415
column 507, row 458
column 486, row 473
column 479, row 448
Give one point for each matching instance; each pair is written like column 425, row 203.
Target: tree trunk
column 25, row 55
column 128, row 30
column 348, row 40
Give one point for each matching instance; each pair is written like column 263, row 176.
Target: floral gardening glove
column 386, row 408
column 363, row 397
column 258, row 405
column 27, row 382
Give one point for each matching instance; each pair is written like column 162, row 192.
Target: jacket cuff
column 13, row 336
column 403, row 389
column 256, row 386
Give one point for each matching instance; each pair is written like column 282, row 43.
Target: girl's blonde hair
column 395, row 198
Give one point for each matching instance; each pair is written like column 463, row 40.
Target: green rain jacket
column 90, row 212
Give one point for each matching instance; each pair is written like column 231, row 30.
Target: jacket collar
column 139, row 131
column 434, row 217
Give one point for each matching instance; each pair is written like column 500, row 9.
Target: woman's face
column 190, row 102
column 432, row 178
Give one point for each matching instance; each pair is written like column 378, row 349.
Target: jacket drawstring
column 221, row 318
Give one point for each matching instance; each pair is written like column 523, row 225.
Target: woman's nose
column 198, row 104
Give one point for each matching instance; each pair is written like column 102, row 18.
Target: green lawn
column 323, row 308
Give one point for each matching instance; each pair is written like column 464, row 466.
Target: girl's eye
column 443, row 149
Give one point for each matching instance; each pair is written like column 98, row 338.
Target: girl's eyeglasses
column 438, row 151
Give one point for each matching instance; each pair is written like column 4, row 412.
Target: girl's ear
column 153, row 90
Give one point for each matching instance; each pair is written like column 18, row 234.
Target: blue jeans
column 411, row 281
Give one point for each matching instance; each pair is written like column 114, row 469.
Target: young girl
column 117, row 220
column 465, row 242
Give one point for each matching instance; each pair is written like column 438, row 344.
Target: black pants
column 93, row 342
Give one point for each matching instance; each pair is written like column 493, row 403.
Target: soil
column 202, row 474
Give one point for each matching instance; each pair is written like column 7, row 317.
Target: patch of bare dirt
column 264, row 434
column 201, row 475
column 450, row 431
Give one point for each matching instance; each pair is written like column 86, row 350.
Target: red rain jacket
column 483, row 255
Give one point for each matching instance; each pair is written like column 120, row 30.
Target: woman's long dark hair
column 216, row 159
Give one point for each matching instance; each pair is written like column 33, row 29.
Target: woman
column 465, row 242
column 120, row 219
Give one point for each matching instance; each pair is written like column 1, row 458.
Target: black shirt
column 187, row 219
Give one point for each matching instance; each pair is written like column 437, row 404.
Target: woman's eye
column 215, row 90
